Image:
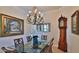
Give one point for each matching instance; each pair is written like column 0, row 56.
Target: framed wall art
column 10, row 25
column 75, row 22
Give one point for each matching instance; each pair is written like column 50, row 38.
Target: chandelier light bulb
column 39, row 12
column 35, row 10
column 30, row 12
column 37, row 17
column 27, row 15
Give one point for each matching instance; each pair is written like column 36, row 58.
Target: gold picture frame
column 10, row 26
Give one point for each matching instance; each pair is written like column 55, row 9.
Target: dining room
column 37, row 29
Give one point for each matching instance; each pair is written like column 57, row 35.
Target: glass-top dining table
column 28, row 47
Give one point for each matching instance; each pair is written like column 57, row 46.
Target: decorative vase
column 35, row 42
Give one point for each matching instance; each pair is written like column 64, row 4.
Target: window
column 43, row 27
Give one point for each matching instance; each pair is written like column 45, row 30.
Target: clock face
column 61, row 23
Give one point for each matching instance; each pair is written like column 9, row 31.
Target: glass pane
column 74, row 23
column 6, row 28
column 42, row 27
column 74, row 20
column 14, row 26
column 38, row 28
column 46, row 27
column 74, row 29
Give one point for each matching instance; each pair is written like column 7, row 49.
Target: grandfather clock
column 62, row 45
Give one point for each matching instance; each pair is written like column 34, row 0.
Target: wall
column 16, row 12
column 72, row 39
column 28, row 29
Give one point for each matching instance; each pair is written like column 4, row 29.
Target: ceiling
column 40, row 8
column 23, row 10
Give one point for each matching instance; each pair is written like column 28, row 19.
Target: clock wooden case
column 62, row 38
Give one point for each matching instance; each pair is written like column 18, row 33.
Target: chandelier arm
column 28, row 19
column 35, row 18
column 40, row 20
column 34, row 21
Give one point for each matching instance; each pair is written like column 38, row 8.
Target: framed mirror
column 75, row 22
column 10, row 25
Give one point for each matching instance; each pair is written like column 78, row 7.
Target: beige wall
column 16, row 12
column 28, row 29
column 72, row 39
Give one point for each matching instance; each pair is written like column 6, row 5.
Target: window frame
column 40, row 29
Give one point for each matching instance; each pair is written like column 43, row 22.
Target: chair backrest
column 19, row 44
column 29, row 38
column 48, row 47
column 8, row 51
column 44, row 37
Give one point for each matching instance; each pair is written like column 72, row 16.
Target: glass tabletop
column 29, row 48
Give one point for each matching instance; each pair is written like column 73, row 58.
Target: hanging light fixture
column 35, row 16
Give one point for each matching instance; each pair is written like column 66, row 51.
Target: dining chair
column 29, row 38
column 44, row 37
column 19, row 45
column 48, row 47
column 8, row 50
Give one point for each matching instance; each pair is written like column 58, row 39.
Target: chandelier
column 35, row 16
